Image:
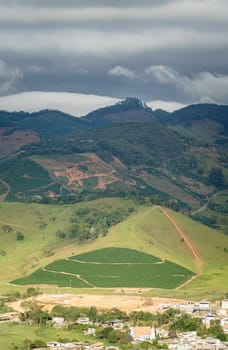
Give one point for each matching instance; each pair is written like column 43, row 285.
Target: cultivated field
column 146, row 230
column 111, row 268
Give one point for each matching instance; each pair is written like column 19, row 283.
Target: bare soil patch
column 123, row 302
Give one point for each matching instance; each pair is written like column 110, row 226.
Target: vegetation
column 116, row 255
column 146, row 228
column 24, row 181
column 132, row 269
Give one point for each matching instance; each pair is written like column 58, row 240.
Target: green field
column 45, row 277
column 12, row 333
column 133, row 269
column 146, row 230
column 40, row 225
column 116, row 255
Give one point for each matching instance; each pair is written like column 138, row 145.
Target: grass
column 146, row 230
column 4, row 309
column 13, row 333
column 133, row 270
column 39, row 224
column 211, row 245
column 165, row 185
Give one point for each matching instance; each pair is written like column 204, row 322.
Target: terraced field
column 110, row 268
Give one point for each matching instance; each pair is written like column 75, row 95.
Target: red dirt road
column 190, row 246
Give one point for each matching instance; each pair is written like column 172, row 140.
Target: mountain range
column 128, row 149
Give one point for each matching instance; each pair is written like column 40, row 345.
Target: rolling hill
column 144, row 229
column 131, row 161
column 206, row 122
column 125, row 149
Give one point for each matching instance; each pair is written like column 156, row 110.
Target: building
column 59, row 322
column 143, row 333
column 224, row 324
column 83, row 320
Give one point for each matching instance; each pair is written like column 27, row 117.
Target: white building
column 83, row 320
column 143, row 333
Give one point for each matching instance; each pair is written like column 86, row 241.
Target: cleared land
column 123, row 302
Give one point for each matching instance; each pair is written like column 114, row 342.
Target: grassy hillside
column 13, row 333
column 43, row 227
column 146, row 230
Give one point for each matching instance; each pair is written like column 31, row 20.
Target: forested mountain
column 44, row 123
column 206, row 122
column 177, row 158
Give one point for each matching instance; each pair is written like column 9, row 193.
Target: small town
column 186, row 326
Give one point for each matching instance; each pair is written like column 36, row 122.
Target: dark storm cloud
column 167, row 50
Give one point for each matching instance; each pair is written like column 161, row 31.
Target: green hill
column 206, row 122
column 145, row 230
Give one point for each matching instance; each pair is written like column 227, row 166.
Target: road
column 189, row 244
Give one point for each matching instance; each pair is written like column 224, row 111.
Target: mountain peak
column 134, row 102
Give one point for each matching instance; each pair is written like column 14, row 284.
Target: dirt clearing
column 126, row 303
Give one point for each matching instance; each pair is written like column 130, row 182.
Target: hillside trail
column 205, row 206
column 4, row 195
column 9, row 224
column 70, row 274
column 116, row 263
column 190, row 246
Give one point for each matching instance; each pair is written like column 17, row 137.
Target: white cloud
column 204, row 86
column 72, row 103
column 120, row 71
column 208, row 85
column 77, row 41
column 168, row 106
column 202, row 10
column 9, row 77
column 162, row 74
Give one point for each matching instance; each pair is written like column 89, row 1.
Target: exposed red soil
column 95, row 168
column 190, row 246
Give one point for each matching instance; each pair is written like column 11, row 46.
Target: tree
column 92, row 313
column 20, row 236
column 7, row 228
column 216, row 177
column 112, row 337
column 61, row 234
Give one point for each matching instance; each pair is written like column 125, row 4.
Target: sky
column 62, row 53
